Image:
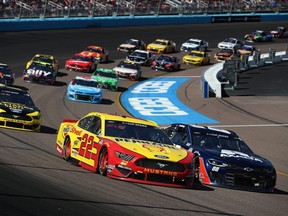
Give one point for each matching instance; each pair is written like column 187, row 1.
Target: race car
column 40, row 73
column 280, row 32
column 259, row 36
column 99, row 53
column 17, row 110
column 246, row 50
column 224, row 54
column 44, row 59
column 162, row 46
column 131, row 45
column 231, row 43
column 107, row 78
column 81, row 63
column 166, row 63
column 224, row 158
column 125, row 148
column 84, row 89
column 127, row 69
column 141, row 57
column 194, row 44
column 196, row 58
column 7, row 75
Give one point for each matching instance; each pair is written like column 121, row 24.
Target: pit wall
column 36, row 24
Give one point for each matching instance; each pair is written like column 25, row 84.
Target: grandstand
column 70, row 8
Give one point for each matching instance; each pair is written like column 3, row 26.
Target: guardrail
column 216, row 86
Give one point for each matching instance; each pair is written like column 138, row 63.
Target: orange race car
column 98, row 53
column 224, row 54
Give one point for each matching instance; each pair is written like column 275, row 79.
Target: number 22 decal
column 86, row 146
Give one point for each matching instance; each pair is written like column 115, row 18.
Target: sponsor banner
column 156, row 99
column 226, row 19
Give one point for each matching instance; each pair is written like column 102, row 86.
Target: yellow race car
column 196, row 58
column 162, row 46
column 45, row 60
column 17, row 110
column 125, row 148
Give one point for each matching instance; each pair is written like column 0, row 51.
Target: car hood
column 127, row 46
column 196, row 58
column 157, row 46
column 236, row 158
column 124, row 70
column 86, row 89
column 103, row 79
column 223, row 54
column 226, row 44
column 16, row 108
column 153, row 150
column 87, row 53
column 191, row 45
column 83, row 63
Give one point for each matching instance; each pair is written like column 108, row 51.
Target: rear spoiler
column 70, row 120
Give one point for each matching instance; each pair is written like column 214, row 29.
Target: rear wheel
column 103, row 162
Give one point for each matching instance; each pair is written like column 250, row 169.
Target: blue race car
column 224, row 159
column 84, row 89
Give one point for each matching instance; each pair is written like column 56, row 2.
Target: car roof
column 116, row 117
column 209, row 130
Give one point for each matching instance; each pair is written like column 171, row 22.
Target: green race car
column 107, row 78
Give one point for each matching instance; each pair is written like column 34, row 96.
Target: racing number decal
column 86, row 147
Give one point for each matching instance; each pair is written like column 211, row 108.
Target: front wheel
column 67, row 149
column 103, row 162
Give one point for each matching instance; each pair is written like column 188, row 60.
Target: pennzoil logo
column 153, row 148
column 160, row 172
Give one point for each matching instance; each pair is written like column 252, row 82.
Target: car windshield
column 132, row 42
column 230, row 40
column 89, row 83
column 132, row 130
column 164, row 58
column 160, row 42
column 5, row 70
column 15, row 97
column 81, row 58
column 139, row 54
column 196, row 54
column 43, row 59
column 226, row 51
column 128, row 65
column 95, row 50
column 105, row 74
column 219, row 142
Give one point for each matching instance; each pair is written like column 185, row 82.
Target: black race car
column 224, row 158
column 166, row 63
column 40, row 73
column 17, row 110
column 7, row 75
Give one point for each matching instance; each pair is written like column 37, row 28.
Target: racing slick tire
column 67, row 149
column 103, row 162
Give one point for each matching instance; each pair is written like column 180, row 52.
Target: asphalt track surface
column 34, row 180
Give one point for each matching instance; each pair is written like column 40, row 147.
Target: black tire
column 103, row 162
column 67, row 149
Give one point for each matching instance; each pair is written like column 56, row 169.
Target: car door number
column 87, row 146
